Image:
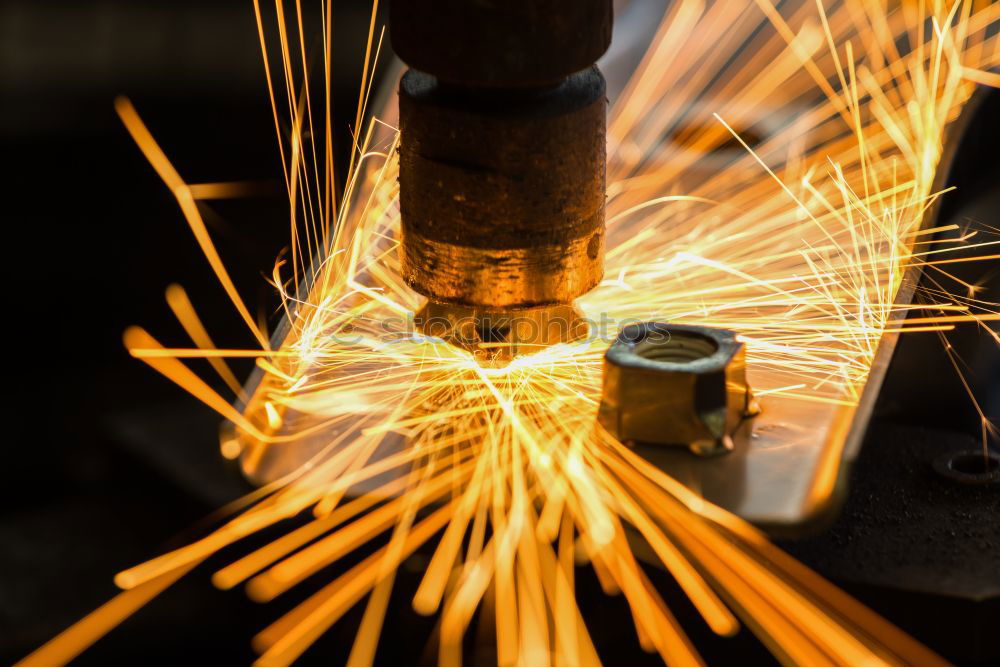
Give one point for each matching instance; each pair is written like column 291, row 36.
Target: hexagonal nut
column 671, row 384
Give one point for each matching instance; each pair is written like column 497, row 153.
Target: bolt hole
column 969, row 467
column 676, row 348
column 974, row 464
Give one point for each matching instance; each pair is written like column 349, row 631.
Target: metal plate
column 788, row 476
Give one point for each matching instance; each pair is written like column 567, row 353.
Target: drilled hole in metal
column 969, row 467
column 974, row 464
column 677, row 348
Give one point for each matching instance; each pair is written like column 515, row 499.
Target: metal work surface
column 786, row 475
column 785, row 471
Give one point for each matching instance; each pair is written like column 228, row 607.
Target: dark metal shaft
column 502, row 149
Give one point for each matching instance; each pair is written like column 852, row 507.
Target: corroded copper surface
column 502, row 197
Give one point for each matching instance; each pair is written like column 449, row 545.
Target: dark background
column 107, row 461
column 108, row 464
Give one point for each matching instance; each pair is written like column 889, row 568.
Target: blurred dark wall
column 109, row 459
column 96, row 235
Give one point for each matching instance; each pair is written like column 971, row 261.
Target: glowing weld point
column 574, row 467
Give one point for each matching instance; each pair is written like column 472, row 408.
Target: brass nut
column 670, row 384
